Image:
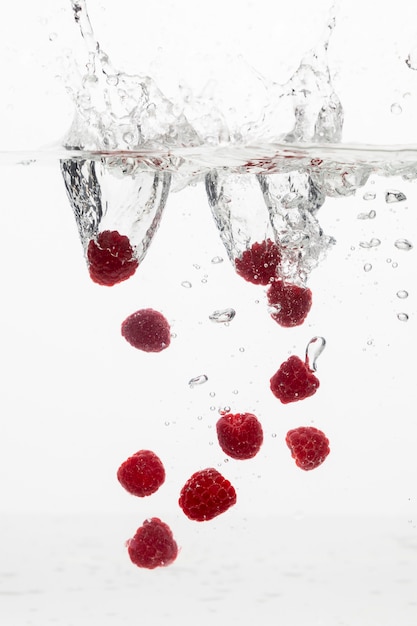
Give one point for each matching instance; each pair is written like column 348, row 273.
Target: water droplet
column 212, row 394
column 222, row 316
column 402, row 294
column 403, row 317
column 394, row 196
column 197, row 380
column 373, row 243
column 369, row 195
column 217, row 259
column 186, row 284
column 367, row 267
column 314, row 348
column 396, row 109
column 403, row 244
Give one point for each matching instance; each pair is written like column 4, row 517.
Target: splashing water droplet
column 367, row 267
column 314, row 348
column 216, row 260
column 369, row 195
column 394, row 196
column 222, row 316
column 403, row 244
column 403, row 317
column 402, row 294
column 373, row 243
column 396, row 108
column 197, row 380
column 186, row 284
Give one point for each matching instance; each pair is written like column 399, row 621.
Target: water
column 336, row 545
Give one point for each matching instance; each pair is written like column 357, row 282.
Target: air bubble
column 274, row 435
column 389, row 260
column 222, row 316
column 367, row 267
column 217, row 259
column 369, row 195
column 196, row 266
column 204, row 280
column 212, row 394
column 402, row 294
column 367, row 216
column 373, row 243
column 199, row 417
column 197, row 380
column 314, row 348
column 241, row 349
column 212, row 408
column 394, row 196
column 186, row 284
column 403, row 317
column 235, row 392
column 394, row 265
column 113, row 80
column 396, row 109
column 403, row 244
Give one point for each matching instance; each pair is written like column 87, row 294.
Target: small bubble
column 367, row 267
column 226, row 409
column 186, row 284
column 212, row 408
column 403, row 317
column 394, row 265
column 403, row 244
column 369, row 195
column 210, row 443
column 370, row 342
column 394, row 196
column 217, row 259
column 235, row 392
column 212, row 394
column 52, row 36
column 199, row 417
column 241, row 349
column 402, row 294
column 113, row 80
column 173, row 335
column 389, row 260
column 396, row 109
column 274, row 435
column 196, row 265
column 222, row 316
column 204, row 280
column 373, row 243
column 226, row 461
column 256, row 301
column 167, row 423
column 197, row 380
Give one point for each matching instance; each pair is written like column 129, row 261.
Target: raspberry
column 292, row 303
column 141, row 474
column 258, row 265
column 111, row 258
column 206, row 494
column 147, row 330
column 240, row 435
column 294, row 381
column 309, row 446
column 153, row 545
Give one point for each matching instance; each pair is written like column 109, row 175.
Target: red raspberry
column 240, row 435
column 309, row 446
column 142, row 474
column 292, row 303
column 153, row 545
column 111, row 258
column 258, row 265
column 147, row 330
column 206, row 494
column 294, row 381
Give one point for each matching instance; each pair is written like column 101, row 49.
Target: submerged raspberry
column 206, row 494
column 111, row 258
column 309, row 446
column 153, row 545
column 258, row 265
column 293, row 381
column 240, row 435
column 141, row 474
column 147, row 330
column 292, row 303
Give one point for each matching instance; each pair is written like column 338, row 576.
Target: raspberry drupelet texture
column 240, row 435
column 142, row 474
column 147, row 330
column 111, row 258
column 153, row 545
column 309, row 446
column 291, row 303
column 206, row 494
column 259, row 263
column 293, row 381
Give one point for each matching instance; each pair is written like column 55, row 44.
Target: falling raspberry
column 294, row 381
column 111, row 258
column 240, row 435
column 147, row 330
column 141, row 474
column 291, row 303
column 206, row 494
column 309, row 446
column 258, row 265
column 153, row 545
